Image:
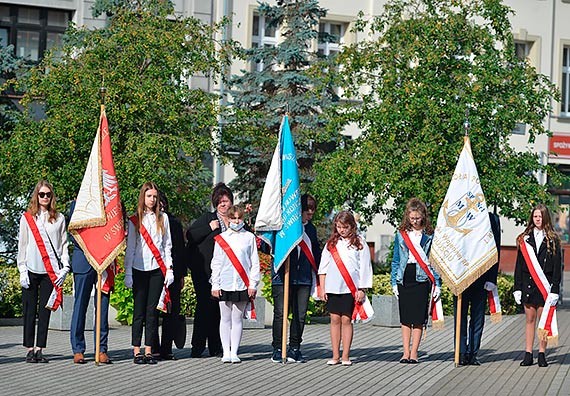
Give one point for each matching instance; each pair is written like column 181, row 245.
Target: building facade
column 540, row 28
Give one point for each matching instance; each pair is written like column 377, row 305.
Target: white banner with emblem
column 463, row 246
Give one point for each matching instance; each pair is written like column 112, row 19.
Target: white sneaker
column 235, row 359
column 226, row 359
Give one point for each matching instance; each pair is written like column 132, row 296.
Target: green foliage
column 425, row 66
column 293, row 79
column 111, row 7
column 122, row 300
column 160, row 128
column 188, row 298
column 10, row 292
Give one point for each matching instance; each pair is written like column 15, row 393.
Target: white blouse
column 224, row 275
column 138, row 254
column 29, row 256
column 357, row 263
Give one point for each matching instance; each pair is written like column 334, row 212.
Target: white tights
column 231, row 326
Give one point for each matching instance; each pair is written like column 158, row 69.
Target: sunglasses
column 42, row 194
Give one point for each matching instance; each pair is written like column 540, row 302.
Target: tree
column 11, row 66
column 160, row 128
column 290, row 77
column 431, row 65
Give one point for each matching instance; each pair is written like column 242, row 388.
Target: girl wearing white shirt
column 142, row 270
column 36, row 284
column 228, row 285
column 355, row 255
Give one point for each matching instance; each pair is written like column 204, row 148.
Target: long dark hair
column 551, row 236
column 140, row 207
column 346, row 218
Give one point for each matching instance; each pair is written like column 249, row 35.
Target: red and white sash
column 48, row 257
column 494, row 304
column 250, row 308
column 547, row 325
column 164, row 300
column 307, row 248
column 434, row 306
column 108, row 278
column 362, row 311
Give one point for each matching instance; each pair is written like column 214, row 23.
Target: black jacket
column 551, row 264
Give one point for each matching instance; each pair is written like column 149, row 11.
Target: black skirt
column 341, row 304
column 413, row 298
column 234, row 296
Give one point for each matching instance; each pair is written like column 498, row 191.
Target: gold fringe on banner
column 543, row 336
column 449, row 279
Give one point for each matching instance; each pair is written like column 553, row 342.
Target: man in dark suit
column 476, row 297
column 172, row 320
column 84, row 279
column 200, row 238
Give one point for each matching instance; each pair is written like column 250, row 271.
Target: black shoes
column 294, row 355
column 464, row 359
column 542, row 360
column 527, row 361
column 139, row 359
column 30, row 358
column 474, row 361
column 276, row 356
column 39, row 357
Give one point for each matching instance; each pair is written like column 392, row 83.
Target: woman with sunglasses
column 43, row 262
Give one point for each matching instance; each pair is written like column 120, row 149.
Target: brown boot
column 78, row 358
column 104, row 359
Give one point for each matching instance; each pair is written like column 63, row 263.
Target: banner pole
column 458, row 328
column 98, row 319
column 285, row 312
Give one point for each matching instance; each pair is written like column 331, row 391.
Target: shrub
column 122, row 300
column 10, row 293
column 188, row 298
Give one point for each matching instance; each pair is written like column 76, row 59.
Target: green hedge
column 11, row 291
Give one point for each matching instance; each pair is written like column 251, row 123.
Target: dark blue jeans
column 298, row 303
column 474, row 298
column 83, row 285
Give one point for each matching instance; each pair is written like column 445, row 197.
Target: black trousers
column 206, row 317
column 298, row 303
column 40, row 286
column 147, row 287
column 169, row 319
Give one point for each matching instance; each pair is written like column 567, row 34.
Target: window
column 32, row 31
column 331, row 37
column 565, row 87
column 262, row 35
column 522, row 49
